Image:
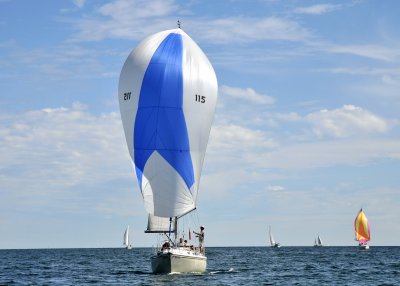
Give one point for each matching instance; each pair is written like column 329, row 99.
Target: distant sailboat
column 362, row 230
column 318, row 242
column 126, row 239
column 272, row 240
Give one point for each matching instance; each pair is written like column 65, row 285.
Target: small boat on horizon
column 362, row 230
column 126, row 243
column 272, row 241
column 318, row 242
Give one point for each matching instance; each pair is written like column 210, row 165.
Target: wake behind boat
column 167, row 98
column 362, row 230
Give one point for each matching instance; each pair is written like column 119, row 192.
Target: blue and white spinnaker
column 167, row 97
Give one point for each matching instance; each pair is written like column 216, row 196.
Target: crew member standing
column 200, row 235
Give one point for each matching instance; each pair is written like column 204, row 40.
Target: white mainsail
column 319, row 240
column 126, row 237
column 156, row 224
column 271, row 238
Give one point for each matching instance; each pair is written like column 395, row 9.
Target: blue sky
column 306, row 130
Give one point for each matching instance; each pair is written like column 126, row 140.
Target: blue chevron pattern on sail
column 160, row 122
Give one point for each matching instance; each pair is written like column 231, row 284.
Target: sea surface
column 226, row 266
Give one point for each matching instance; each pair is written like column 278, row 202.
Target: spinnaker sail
column 167, row 98
column 361, row 227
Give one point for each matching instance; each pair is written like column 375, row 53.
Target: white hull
column 363, row 246
column 178, row 260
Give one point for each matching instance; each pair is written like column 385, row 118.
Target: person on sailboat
column 200, row 235
column 166, row 245
column 181, row 244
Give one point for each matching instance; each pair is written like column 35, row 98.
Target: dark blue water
column 226, row 266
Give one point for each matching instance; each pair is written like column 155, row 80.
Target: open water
column 226, row 266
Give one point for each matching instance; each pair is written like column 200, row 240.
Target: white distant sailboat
column 167, row 97
column 126, row 243
column 272, row 240
column 318, row 242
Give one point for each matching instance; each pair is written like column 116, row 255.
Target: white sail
column 319, row 240
column 157, row 224
column 167, row 98
column 271, row 238
column 126, row 237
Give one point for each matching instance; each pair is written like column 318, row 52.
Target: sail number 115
column 200, row 98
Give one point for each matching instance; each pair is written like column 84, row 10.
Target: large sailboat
column 126, row 242
column 167, row 97
column 272, row 241
column 362, row 230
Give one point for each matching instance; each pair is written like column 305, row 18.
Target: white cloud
column 242, row 29
column 247, row 94
column 347, row 121
column 128, row 9
column 237, row 139
column 317, row 9
column 303, row 156
column 272, row 188
column 57, row 154
column 63, row 62
column 79, row 3
column 125, row 19
column 347, row 133
column 376, row 52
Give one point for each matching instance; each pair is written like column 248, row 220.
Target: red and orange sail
column 361, row 227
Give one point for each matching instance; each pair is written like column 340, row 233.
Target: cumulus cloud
column 235, row 138
column 346, row 121
column 58, row 153
column 247, row 94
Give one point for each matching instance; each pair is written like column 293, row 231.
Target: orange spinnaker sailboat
column 362, row 230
